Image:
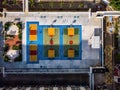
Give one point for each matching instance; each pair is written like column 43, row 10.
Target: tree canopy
column 115, row 4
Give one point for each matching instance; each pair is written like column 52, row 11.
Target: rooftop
column 89, row 56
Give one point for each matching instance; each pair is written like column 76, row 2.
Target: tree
column 108, row 50
column 61, row 3
column 41, row 5
column 80, row 5
column 31, row 3
column 4, row 2
column 70, row 4
column 19, row 25
column 15, row 47
column 15, row 2
column 51, row 4
column 6, row 58
column 115, row 4
column 7, row 25
column 20, row 35
column 20, row 46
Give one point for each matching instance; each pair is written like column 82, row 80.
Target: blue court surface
column 60, row 42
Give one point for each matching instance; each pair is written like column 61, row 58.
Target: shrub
column 7, row 47
column 20, row 35
column 19, row 25
column 51, row 4
column 15, row 2
column 5, row 37
column 15, row 47
column 7, row 25
column 19, row 58
column 6, row 58
column 80, row 5
column 20, row 46
column 115, row 4
column 4, row 2
column 31, row 3
column 10, row 36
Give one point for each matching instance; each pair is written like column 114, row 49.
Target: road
column 45, row 79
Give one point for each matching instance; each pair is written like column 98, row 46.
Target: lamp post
column 74, row 21
column 26, row 7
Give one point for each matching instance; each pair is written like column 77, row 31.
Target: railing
column 44, row 70
column 111, row 14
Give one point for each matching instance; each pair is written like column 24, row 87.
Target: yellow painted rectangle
column 33, row 47
column 33, row 57
column 32, row 37
column 33, row 26
column 71, row 53
column 51, row 53
column 51, row 31
column 71, row 31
